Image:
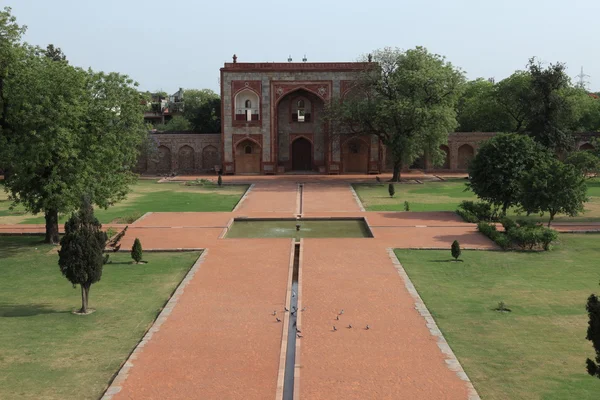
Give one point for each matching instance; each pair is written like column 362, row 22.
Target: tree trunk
column 504, row 209
column 396, row 174
column 551, row 218
column 84, row 302
column 51, row 216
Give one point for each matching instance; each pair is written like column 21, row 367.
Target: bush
column 391, row 190
column 476, row 211
column 406, row 206
column 530, row 237
column 136, row 251
column 455, row 249
column 487, row 229
column 508, row 223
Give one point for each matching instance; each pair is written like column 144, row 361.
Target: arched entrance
column 465, row 155
column 301, row 155
column 247, row 157
column 185, row 160
column 355, row 155
column 586, row 146
column 210, row 157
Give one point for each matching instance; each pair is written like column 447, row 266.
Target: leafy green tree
column 496, row 171
column 407, row 99
column 477, row 110
column 554, row 187
column 203, row 109
column 55, row 53
column 511, row 97
column 586, row 162
column 550, row 114
column 80, row 257
column 177, row 123
column 593, row 334
column 136, row 251
column 455, row 249
column 73, row 132
column 585, row 116
column 391, row 190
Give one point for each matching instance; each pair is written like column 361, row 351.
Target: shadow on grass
column 13, row 245
column 8, row 310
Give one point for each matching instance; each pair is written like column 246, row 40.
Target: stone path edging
column 142, row 217
column 239, row 203
column 356, row 198
column 451, row 361
column 116, row 385
column 284, row 334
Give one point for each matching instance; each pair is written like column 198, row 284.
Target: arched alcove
column 465, row 155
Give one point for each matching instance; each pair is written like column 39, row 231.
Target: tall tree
column 549, row 113
column 203, row 109
column 593, row 334
column 407, row 99
column 74, row 132
column 554, row 187
column 477, row 110
column 80, row 257
column 495, row 173
column 55, row 53
column 512, row 99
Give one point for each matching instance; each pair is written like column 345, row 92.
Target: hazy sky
column 182, row 43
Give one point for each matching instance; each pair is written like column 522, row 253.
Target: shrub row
column 523, row 234
column 472, row 211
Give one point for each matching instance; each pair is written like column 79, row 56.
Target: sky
column 165, row 45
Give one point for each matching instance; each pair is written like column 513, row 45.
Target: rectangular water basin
column 309, row 228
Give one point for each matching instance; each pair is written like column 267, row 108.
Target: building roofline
column 297, row 66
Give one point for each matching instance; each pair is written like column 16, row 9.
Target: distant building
column 161, row 107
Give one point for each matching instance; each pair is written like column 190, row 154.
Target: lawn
column 538, row 350
column 48, row 353
column 146, row 196
column 446, row 196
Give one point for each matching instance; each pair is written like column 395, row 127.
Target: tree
column 55, row 53
column 80, row 257
column 585, row 116
column 496, row 171
column 406, row 98
column 477, row 110
column 74, row 132
column 202, row 108
column 586, row 162
column 554, row 187
column 177, row 123
column 593, row 334
column 549, row 113
column 136, row 251
column 455, row 249
column 391, row 190
column 511, row 97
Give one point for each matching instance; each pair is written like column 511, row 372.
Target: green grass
column 446, row 196
column 538, row 350
column 146, row 196
column 48, row 353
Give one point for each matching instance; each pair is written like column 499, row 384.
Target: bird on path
column 293, row 294
column 277, row 319
column 334, row 328
column 367, row 328
column 285, row 308
column 349, row 326
column 274, row 312
column 303, row 309
column 341, row 312
column 299, row 336
column 337, row 317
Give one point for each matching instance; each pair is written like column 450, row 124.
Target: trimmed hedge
column 526, row 236
column 474, row 212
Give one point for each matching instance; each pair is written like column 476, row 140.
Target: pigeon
column 277, row 319
column 293, row 294
column 341, row 312
column 337, row 317
column 303, row 309
column 349, row 326
column 298, row 330
column 285, row 308
column 274, row 312
column 367, row 328
column 334, row 328
column 299, row 336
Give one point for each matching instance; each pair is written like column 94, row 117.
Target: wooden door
column 301, row 155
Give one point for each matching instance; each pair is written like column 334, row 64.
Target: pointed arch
column 466, row 152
